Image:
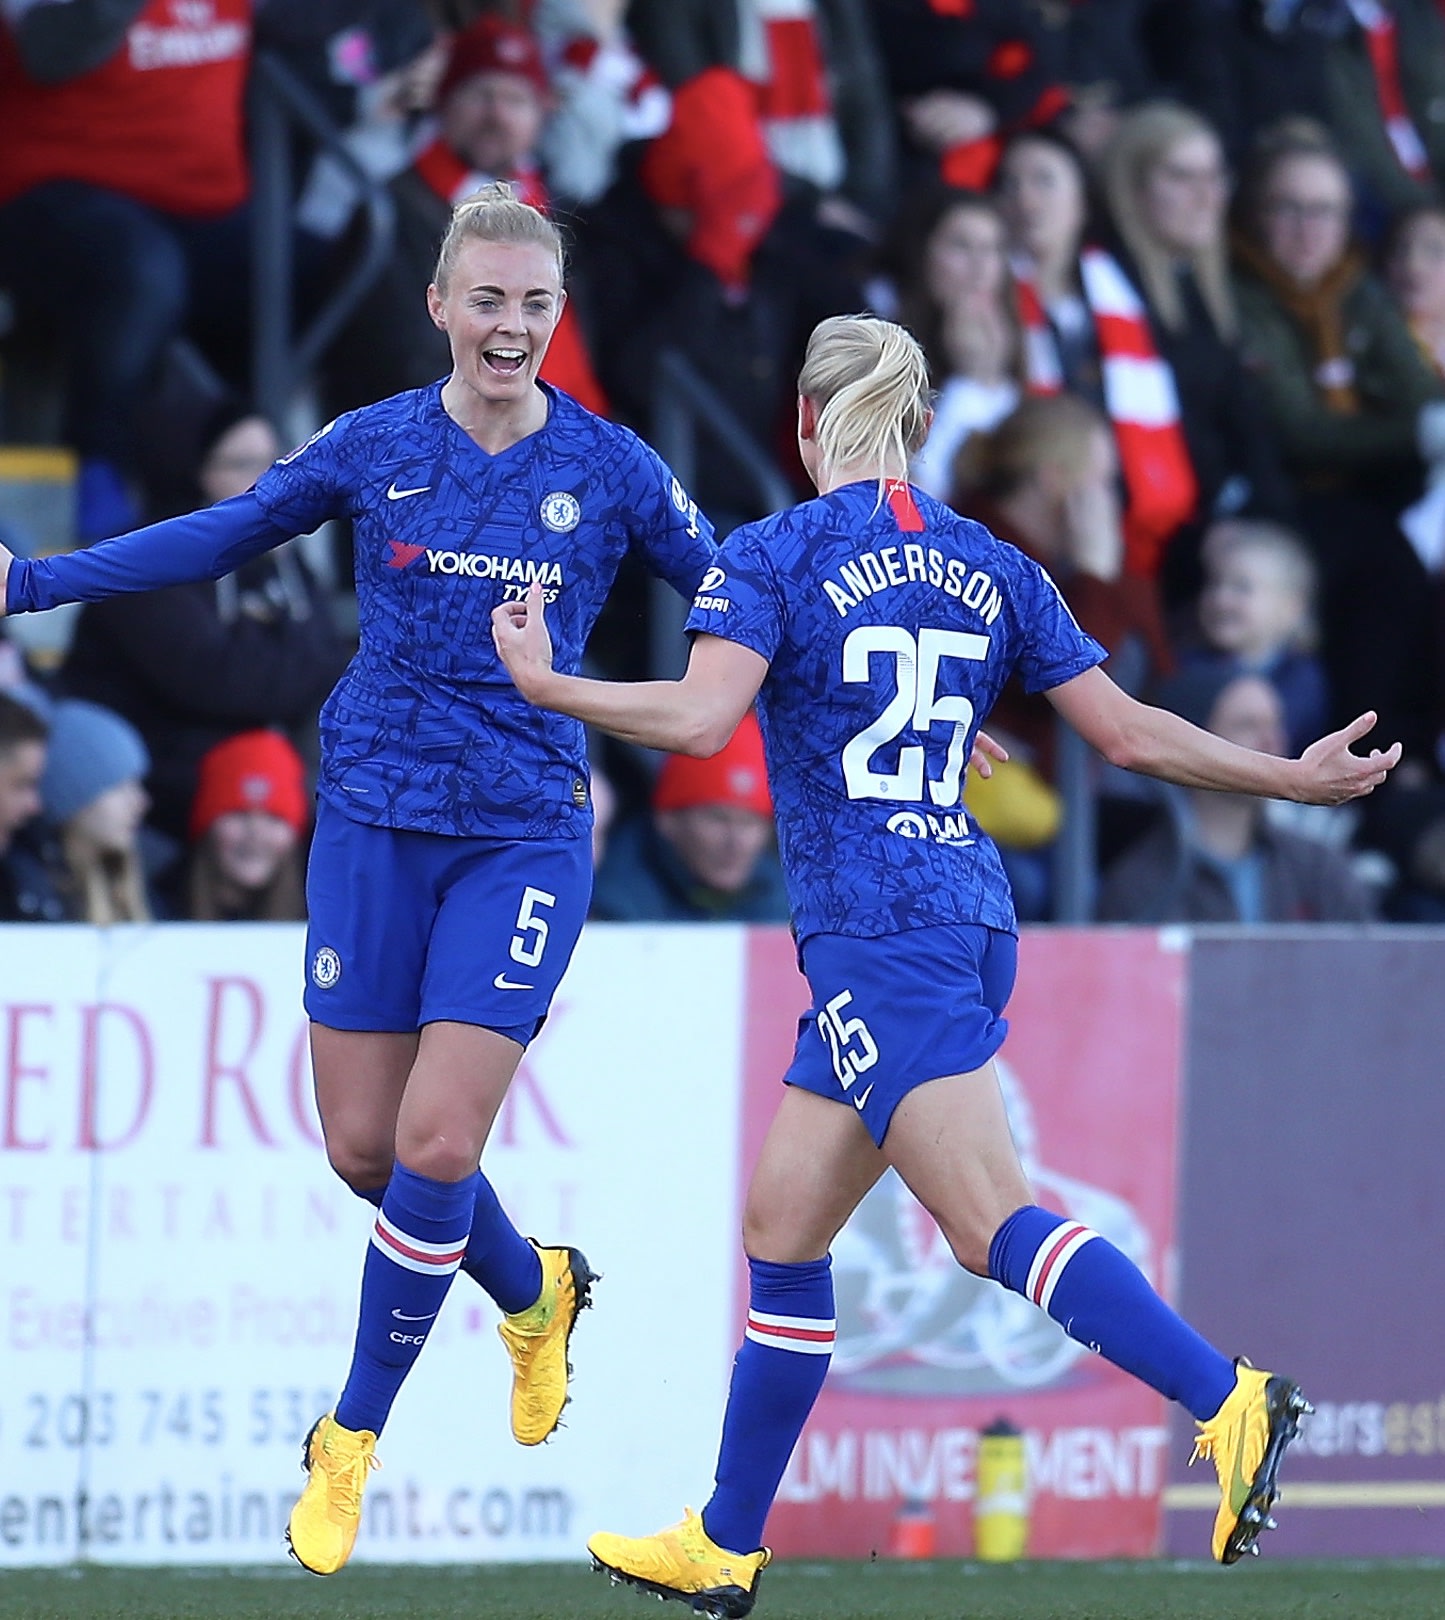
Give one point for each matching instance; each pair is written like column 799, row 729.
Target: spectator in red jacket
column 122, row 189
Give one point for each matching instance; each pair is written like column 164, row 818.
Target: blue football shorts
column 893, row 1012
column 410, row 928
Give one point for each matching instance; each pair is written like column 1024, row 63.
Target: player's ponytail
column 869, row 381
column 496, row 214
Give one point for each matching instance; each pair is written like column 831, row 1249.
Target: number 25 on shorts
column 850, row 1041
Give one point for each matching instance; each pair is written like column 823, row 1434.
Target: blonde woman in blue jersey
column 875, row 628
column 451, row 865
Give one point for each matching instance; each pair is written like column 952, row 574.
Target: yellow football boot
column 536, row 1339
column 324, row 1521
column 1246, row 1440
column 681, row 1562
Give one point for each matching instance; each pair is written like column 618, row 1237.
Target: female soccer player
column 451, row 865
column 875, row 627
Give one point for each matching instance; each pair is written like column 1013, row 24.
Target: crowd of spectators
column 1178, row 267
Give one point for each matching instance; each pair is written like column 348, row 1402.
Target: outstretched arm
column 200, row 545
column 1157, row 743
column 695, row 715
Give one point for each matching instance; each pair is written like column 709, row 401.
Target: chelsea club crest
column 560, row 512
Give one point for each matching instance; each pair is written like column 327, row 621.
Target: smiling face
column 249, row 846
column 499, row 306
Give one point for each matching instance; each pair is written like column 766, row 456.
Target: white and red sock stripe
column 1052, row 1258
column 430, row 1259
column 807, row 1335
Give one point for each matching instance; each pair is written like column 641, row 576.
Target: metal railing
column 686, row 406
column 282, row 357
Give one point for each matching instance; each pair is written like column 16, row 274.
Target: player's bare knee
column 361, row 1167
column 767, row 1235
column 437, row 1158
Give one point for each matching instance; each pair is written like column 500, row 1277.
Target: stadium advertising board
column 1314, row 1221
column 928, row 1356
column 180, row 1268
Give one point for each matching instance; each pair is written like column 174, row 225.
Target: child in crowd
column 1257, row 617
column 247, row 823
column 91, row 796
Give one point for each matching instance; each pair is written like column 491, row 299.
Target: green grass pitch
column 795, row 1591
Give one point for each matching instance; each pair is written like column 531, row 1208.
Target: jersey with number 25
column 890, row 629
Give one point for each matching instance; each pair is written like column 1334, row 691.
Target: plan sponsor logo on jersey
column 516, row 574
column 951, row 830
column 706, row 597
column 560, row 512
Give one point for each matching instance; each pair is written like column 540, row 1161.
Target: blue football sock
column 776, row 1378
column 1102, row 1299
column 498, row 1257
column 416, row 1246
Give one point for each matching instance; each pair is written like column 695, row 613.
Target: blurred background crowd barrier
column 1255, row 1117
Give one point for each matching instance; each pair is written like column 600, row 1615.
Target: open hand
column 1331, row 774
column 985, row 751
column 519, row 632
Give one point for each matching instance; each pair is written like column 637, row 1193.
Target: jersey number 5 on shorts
column 530, row 939
column 850, row 1042
column 915, row 702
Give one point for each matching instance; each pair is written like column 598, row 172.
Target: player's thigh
column 456, row 1087
column 949, row 1140
column 372, row 898
column 508, row 921
column 360, row 1077
column 816, row 1164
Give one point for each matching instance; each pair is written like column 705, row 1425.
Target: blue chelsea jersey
column 890, row 629
column 425, row 729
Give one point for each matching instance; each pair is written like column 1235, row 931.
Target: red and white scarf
column 615, row 69
column 451, row 179
column 1139, row 396
column 1382, row 43
column 782, row 55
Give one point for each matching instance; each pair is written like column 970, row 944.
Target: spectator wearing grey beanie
column 91, row 795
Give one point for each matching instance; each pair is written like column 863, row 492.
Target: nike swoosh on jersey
column 502, row 982
column 863, row 1097
column 395, row 494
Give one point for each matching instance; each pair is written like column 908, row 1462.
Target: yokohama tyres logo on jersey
column 516, row 573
